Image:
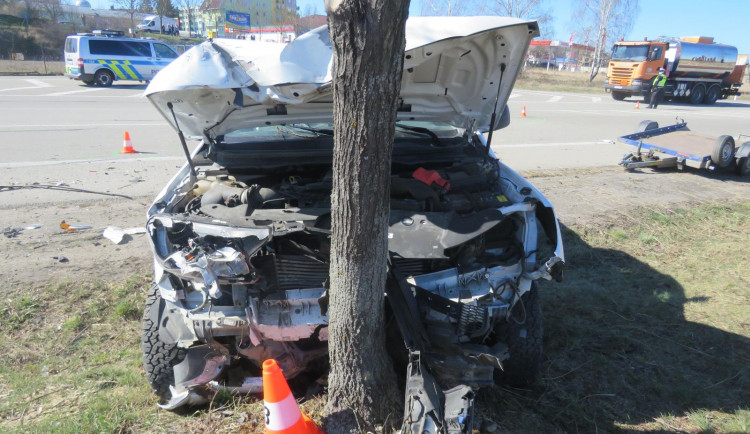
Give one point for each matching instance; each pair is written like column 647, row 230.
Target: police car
column 103, row 56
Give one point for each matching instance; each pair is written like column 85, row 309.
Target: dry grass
column 31, row 67
column 565, row 81
column 649, row 332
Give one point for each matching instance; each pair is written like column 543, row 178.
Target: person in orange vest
column 657, row 88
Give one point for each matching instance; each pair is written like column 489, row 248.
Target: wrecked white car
column 241, row 234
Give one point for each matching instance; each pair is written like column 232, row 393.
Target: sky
column 728, row 21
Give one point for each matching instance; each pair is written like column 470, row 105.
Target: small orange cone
column 127, row 146
column 282, row 412
column 637, row 105
column 523, row 112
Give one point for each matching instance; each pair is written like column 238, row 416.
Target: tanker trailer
column 698, row 70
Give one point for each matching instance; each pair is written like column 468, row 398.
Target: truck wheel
column 159, row 358
column 723, row 151
column 524, row 341
column 646, row 125
column 618, row 96
column 697, row 93
column 743, row 166
column 104, row 78
column 712, row 94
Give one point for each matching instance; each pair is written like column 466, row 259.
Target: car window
column 71, row 45
column 164, row 51
column 119, row 48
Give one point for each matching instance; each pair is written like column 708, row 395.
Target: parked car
column 241, row 246
column 103, row 56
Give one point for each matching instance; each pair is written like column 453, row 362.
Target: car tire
column 619, row 96
column 743, row 167
column 723, row 151
column 104, row 78
column 697, row 93
column 712, row 94
column 159, row 358
column 88, row 82
column 524, row 341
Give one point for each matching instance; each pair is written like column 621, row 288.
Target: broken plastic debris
column 73, row 228
column 117, row 235
column 11, row 232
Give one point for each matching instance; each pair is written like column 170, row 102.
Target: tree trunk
column 368, row 44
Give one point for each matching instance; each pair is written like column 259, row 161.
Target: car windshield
column 634, row 53
column 268, row 133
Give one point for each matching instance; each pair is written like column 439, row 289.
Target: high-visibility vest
column 660, row 80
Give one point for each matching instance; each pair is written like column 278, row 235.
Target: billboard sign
column 237, row 20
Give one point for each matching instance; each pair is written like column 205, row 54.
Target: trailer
column 677, row 146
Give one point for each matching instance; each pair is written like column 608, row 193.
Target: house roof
column 208, row 5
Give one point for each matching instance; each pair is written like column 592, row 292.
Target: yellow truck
column 698, row 70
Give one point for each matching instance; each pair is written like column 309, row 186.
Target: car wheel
column 743, row 166
column 104, row 78
column 159, row 358
column 723, row 151
column 712, row 94
column 618, row 96
column 524, row 341
column 697, row 94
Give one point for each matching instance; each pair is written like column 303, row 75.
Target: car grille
column 620, row 76
column 298, row 272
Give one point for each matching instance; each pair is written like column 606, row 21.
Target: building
column 559, row 54
column 238, row 18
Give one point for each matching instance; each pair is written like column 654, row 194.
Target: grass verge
column 649, row 332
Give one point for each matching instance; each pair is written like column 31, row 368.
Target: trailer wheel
column 743, row 166
column 697, row 93
column 712, row 94
column 723, row 152
column 646, row 126
column 619, row 96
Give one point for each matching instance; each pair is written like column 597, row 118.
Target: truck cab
column 632, row 67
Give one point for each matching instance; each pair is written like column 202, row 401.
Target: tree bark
column 368, row 44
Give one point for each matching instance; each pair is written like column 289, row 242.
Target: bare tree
column 189, row 7
column 368, row 39
column 448, row 7
column 129, row 6
column 606, row 19
column 533, row 9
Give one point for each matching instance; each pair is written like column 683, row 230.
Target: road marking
column 555, row 98
column 596, row 99
column 72, row 92
column 95, row 160
column 124, row 123
column 515, row 95
column 545, row 145
column 37, row 84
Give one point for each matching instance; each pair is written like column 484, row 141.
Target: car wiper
column 318, row 131
column 435, row 139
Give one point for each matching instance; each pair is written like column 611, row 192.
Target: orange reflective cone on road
column 281, row 409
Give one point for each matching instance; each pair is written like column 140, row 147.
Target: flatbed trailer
column 677, row 146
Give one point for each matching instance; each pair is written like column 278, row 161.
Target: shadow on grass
column 619, row 353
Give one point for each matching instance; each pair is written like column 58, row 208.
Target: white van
column 151, row 24
column 104, row 56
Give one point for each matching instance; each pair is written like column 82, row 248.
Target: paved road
column 53, row 129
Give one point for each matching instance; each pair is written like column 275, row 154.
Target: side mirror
column 503, row 120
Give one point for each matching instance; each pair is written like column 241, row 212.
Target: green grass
column 650, row 331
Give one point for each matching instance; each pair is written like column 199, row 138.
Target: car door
column 163, row 55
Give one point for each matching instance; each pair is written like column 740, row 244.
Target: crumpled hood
column 452, row 68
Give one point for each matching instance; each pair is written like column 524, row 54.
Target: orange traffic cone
column 523, row 112
column 282, row 412
column 127, row 146
column 637, row 105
